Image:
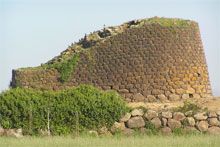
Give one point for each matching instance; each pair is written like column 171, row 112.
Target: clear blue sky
column 34, row 31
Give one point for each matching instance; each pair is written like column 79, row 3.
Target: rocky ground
column 212, row 104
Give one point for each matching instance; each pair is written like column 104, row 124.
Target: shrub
column 66, row 67
column 83, row 107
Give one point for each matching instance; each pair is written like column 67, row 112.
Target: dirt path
column 212, row 104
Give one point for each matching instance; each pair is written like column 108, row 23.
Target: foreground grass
column 115, row 141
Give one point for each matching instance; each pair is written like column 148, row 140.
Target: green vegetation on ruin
column 66, row 62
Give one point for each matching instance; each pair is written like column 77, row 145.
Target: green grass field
column 115, row 141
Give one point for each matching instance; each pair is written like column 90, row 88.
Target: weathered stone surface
column 117, row 126
column 218, row 113
column 44, row 133
column 135, row 122
column 200, row 116
column 196, row 96
column 138, row 97
column 212, row 114
column 144, row 130
column 156, row 122
column 166, row 130
column 157, row 92
column 219, row 118
column 2, row 131
column 126, row 117
column 166, row 114
column 123, row 91
column 179, row 116
column 162, row 97
column 213, row 122
column 179, row 91
column 150, row 114
column 137, row 112
column 190, row 121
column 172, row 123
column 190, row 91
column 164, row 122
column 128, row 131
column 151, row 98
column 185, row 96
column 174, row 97
column 189, row 113
column 14, row 132
column 202, row 126
column 213, row 131
column 103, row 130
column 187, row 128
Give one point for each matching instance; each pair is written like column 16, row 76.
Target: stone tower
column 143, row 60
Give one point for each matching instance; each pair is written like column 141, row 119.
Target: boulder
column 164, row 122
column 157, row 91
column 179, row 91
column 190, row 129
column 10, row 132
column 117, row 126
column 202, row 126
column 138, row 97
column 144, row 130
column 103, row 130
column 2, row 131
column 190, row 91
column 162, row 97
column 172, row 123
column 213, row 122
column 44, row 133
column 195, row 95
column 189, row 113
column 14, row 132
column 166, row 114
column 185, row 96
column 151, row 98
column 128, row 131
column 179, row 116
column 150, row 114
column 136, row 122
column 19, row 132
column 212, row 114
column 137, row 112
column 156, row 122
column 213, row 131
column 126, row 117
column 190, row 121
column 200, row 116
column 123, row 91
column 218, row 113
column 174, row 97
column 166, row 131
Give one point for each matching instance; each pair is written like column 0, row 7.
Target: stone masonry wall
column 166, row 122
column 149, row 63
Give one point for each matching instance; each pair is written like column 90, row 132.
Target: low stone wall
column 166, row 122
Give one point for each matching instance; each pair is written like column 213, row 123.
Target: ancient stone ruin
column 155, row 59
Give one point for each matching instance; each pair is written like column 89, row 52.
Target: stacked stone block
column 149, row 63
column 166, row 122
